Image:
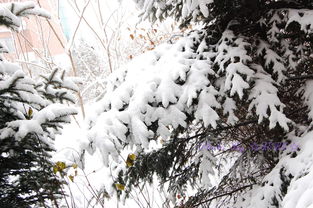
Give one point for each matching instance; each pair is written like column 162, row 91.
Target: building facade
column 39, row 40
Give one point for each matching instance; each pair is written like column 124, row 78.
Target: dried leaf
column 30, row 112
column 71, row 177
column 132, row 156
column 119, row 187
column 129, row 163
column 61, row 165
column 130, row 160
column 55, row 169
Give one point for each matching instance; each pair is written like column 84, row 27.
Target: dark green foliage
column 26, row 176
column 26, row 173
column 26, row 130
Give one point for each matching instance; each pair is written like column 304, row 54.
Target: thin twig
column 224, row 194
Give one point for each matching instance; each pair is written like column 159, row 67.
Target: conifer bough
column 245, row 77
column 31, row 114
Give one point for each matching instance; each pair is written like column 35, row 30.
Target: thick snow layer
column 149, row 92
column 53, row 112
column 14, row 78
column 192, row 8
column 160, row 88
column 26, row 8
column 20, row 128
column 10, row 12
column 7, row 15
column 303, row 17
column 8, row 68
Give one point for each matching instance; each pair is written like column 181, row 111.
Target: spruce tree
column 31, row 114
column 232, row 99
